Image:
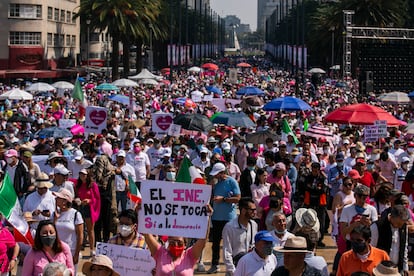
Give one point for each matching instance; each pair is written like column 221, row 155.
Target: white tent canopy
column 40, row 86
column 63, row 85
column 145, row 74
column 16, row 94
column 125, row 83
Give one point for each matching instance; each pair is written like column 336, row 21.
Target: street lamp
column 88, row 22
column 150, row 53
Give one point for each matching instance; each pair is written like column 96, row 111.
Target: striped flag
column 188, row 173
column 79, row 95
column 12, row 211
column 133, row 194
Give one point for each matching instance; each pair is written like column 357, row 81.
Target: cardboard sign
column 95, row 120
column 174, row 209
column 67, row 123
column 208, row 98
column 127, row 260
column 161, row 122
column 370, row 134
column 233, row 75
column 197, row 98
column 382, row 128
column 174, row 130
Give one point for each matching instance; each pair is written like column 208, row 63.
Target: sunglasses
column 347, row 184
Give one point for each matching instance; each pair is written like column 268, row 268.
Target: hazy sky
column 246, row 10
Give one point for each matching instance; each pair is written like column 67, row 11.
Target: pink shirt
column 183, row 266
column 6, row 242
column 35, row 261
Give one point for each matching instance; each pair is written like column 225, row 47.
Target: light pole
column 150, row 54
column 88, row 21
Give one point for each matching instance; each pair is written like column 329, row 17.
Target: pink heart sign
column 97, row 117
column 163, row 122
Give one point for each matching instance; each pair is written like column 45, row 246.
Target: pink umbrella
column 77, row 129
column 90, row 86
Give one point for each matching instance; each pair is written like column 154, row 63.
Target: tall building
column 195, row 4
column 265, row 8
column 38, row 35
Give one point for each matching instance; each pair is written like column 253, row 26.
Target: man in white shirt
column 260, row 261
column 140, row 161
column 60, row 179
column 154, row 154
column 203, row 161
column 40, row 203
column 280, row 234
column 238, row 234
column 78, row 163
column 122, row 172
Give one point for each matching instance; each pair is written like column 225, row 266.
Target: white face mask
column 125, row 230
column 170, row 176
column 410, row 150
column 9, row 160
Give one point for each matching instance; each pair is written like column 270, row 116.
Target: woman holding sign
column 174, row 258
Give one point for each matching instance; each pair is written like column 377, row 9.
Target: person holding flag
column 79, row 94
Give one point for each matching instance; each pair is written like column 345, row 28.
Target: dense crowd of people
column 273, row 202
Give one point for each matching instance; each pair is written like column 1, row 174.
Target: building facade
column 38, row 34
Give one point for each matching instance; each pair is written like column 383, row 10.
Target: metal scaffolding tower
column 346, row 72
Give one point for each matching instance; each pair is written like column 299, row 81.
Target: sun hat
column 84, row 171
column 100, row 260
column 294, row 244
column 217, row 168
column 52, row 155
column 43, row 181
column 280, row 166
column 65, row 194
column 27, row 154
column 264, row 236
column 28, row 217
column 294, row 152
column 382, row 270
column 307, row 218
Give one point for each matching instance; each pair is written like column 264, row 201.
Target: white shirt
column 252, row 264
column 127, row 170
column 66, row 227
column 237, row 239
column 349, row 212
column 75, row 168
column 140, row 162
column 197, row 162
column 280, row 242
column 35, row 201
column 154, row 156
column 68, row 185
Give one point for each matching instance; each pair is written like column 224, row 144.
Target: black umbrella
column 259, row 137
column 195, row 122
column 20, row 118
column 55, row 132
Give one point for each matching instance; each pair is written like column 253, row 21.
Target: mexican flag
column 79, row 95
column 188, row 173
column 288, row 131
column 12, row 211
column 134, row 194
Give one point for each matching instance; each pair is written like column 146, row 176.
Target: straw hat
column 307, row 218
column 294, row 244
column 382, row 270
column 43, row 181
column 100, row 260
column 28, row 217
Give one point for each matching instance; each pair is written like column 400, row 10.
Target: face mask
column 358, row 247
column 370, row 167
column 280, row 232
column 241, row 144
column 48, row 240
column 251, row 168
column 375, row 156
column 326, row 151
column 125, row 230
column 267, row 250
column 170, row 176
column 340, row 164
column 410, row 150
column 9, row 160
column 360, row 210
column 137, row 149
column 115, row 151
column 176, row 250
column 368, row 151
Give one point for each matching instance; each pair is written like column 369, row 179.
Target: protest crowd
column 278, row 181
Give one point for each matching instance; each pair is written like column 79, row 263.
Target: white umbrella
column 316, row 71
column 144, row 74
column 16, row 94
column 40, row 86
column 149, row 81
column 125, row 83
column 194, row 69
column 395, row 98
column 63, row 85
column 197, row 93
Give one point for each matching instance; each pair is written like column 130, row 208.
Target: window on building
column 62, row 16
column 24, row 38
column 67, row 40
column 61, row 40
column 49, row 39
column 56, row 40
column 73, row 42
column 49, row 13
column 56, row 14
column 94, row 37
column 25, row 11
column 68, row 15
column 73, row 19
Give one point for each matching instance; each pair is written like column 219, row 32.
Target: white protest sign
column 382, row 128
column 67, row 123
column 174, row 209
column 370, row 134
column 174, row 130
column 233, row 75
column 197, row 98
column 95, row 120
column 208, row 98
column 161, row 122
column 126, row 260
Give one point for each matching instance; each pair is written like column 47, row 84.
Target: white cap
column 217, row 168
column 346, row 141
column 204, row 150
column 405, row 159
column 60, row 169
column 78, row 155
column 225, row 146
column 121, row 153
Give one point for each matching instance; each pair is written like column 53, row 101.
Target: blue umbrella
column 286, row 104
column 55, row 132
column 235, row 119
column 214, row 89
column 120, row 99
column 81, row 79
column 107, row 87
column 250, row 90
column 411, row 94
column 341, row 84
